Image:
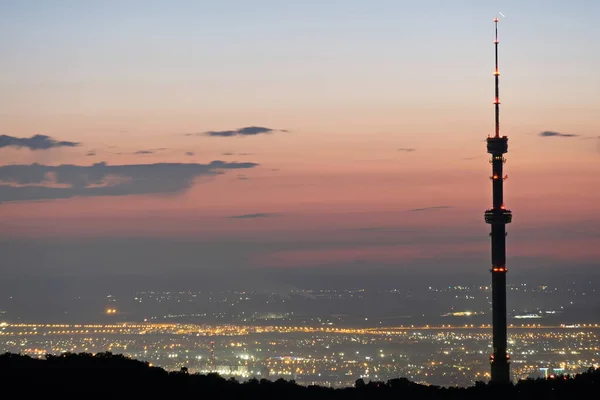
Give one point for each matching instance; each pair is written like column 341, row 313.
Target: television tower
column 498, row 216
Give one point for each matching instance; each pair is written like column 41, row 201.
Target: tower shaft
column 498, row 216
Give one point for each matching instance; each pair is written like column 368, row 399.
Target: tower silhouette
column 498, row 216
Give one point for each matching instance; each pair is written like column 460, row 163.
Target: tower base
column 500, row 372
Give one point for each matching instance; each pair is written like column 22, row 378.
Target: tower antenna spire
column 497, row 84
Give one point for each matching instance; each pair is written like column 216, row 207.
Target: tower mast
column 497, row 84
column 498, row 216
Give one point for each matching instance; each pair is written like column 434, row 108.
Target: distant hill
column 113, row 376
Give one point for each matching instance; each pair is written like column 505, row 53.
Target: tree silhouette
column 105, row 374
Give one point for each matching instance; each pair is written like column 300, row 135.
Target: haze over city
column 323, row 163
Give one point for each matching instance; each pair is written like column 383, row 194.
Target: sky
column 233, row 138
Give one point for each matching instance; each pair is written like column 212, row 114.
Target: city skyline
column 346, row 135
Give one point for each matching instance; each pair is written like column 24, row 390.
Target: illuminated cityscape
column 330, row 337
column 450, row 356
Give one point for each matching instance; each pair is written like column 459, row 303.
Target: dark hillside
column 117, row 377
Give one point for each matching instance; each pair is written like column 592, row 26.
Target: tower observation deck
column 498, row 216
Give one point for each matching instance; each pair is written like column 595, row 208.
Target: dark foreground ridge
column 116, row 376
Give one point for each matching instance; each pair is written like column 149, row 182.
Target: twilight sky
column 182, row 137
